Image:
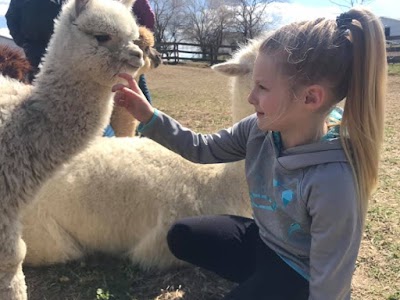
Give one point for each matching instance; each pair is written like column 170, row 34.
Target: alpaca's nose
column 136, row 53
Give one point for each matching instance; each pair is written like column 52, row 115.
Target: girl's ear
column 315, row 97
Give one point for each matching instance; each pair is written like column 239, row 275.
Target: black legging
column 231, row 247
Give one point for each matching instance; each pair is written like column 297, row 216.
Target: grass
column 199, row 98
column 394, row 69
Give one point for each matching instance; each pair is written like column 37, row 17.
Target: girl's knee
column 178, row 239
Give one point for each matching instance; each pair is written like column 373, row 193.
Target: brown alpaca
column 13, row 63
column 122, row 122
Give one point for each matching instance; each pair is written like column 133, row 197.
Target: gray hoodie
column 304, row 198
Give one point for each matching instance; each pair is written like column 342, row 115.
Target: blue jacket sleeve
column 224, row 146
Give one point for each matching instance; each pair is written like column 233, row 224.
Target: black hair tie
column 343, row 21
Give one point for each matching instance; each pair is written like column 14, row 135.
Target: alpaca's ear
column 80, row 6
column 128, row 3
column 232, row 68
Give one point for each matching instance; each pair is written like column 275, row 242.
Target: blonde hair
column 348, row 56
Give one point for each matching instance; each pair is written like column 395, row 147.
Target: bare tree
column 250, row 17
column 169, row 19
column 208, row 21
column 350, row 3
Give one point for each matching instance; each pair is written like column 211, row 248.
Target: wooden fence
column 178, row 52
column 393, row 49
column 174, row 53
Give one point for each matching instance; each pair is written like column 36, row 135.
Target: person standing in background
column 31, row 24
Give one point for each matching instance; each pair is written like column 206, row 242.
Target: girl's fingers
column 130, row 93
column 125, row 95
column 118, row 87
column 131, row 82
column 119, row 98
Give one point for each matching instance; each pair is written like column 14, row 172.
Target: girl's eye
column 261, row 87
column 101, row 38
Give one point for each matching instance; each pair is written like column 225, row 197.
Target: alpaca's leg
column 12, row 253
column 12, row 284
column 48, row 243
column 152, row 251
column 122, row 122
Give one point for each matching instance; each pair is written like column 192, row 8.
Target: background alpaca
column 240, row 68
column 68, row 105
column 13, row 63
column 121, row 195
column 122, row 122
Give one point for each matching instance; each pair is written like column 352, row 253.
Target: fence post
column 176, row 53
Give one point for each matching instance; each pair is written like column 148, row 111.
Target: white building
column 392, row 28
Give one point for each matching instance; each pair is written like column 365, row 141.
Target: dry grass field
column 199, row 98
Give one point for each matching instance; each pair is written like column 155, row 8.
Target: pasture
column 200, row 99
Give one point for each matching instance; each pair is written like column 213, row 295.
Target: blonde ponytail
column 362, row 126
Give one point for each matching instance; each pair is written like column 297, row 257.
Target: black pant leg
column 273, row 279
column 222, row 244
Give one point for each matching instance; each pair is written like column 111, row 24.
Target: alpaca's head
column 94, row 39
column 13, row 63
column 152, row 58
column 240, row 68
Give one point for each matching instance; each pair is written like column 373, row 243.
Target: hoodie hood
column 312, row 154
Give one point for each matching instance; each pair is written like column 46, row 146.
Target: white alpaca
column 240, row 68
column 43, row 126
column 121, row 195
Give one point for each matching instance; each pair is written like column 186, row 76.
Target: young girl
column 309, row 188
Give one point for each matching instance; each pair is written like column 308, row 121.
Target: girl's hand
column 131, row 97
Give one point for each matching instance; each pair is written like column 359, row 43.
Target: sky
column 293, row 10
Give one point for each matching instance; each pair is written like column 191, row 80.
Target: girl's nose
column 250, row 98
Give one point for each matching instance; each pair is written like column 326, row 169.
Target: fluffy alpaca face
column 99, row 36
column 240, row 68
column 152, row 58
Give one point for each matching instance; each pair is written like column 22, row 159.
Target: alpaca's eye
column 147, row 50
column 101, row 38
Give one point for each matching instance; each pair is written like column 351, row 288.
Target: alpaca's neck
column 63, row 87
column 56, row 122
column 74, row 101
column 240, row 106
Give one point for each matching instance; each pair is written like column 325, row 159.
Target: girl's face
column 272, row 96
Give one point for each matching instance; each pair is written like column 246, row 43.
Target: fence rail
column 177, row 52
